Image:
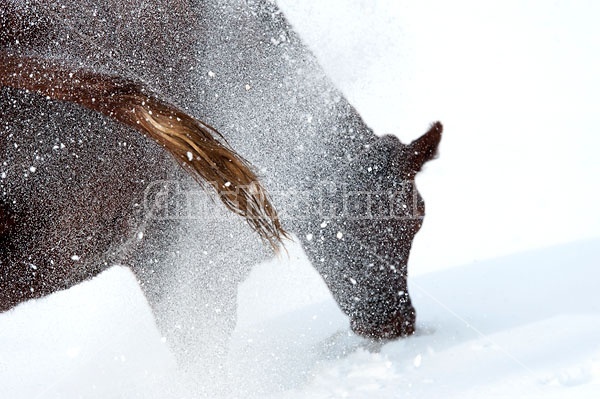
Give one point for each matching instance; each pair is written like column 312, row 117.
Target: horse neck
column 268, row 95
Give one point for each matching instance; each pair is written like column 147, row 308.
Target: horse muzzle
column 400, row 324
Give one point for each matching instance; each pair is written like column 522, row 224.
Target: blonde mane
column 196, row 146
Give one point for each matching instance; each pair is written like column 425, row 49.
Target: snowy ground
column 504, row 273
column 522, row 326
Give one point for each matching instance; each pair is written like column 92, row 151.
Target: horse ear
column 425, row 148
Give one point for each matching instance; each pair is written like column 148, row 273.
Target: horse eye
column 6, row 222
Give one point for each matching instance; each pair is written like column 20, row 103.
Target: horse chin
column 400, row 325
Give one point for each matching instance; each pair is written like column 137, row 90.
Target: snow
column 504, row 273
column 524, row 326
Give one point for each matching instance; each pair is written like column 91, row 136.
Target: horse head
column 361, row 236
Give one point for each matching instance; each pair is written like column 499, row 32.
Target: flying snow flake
column 339, row 235
column 73, row 352
column 3, row 175
column 211, row 74
column 248, row 87
column 75, row 257
column 353, row 281
column 418, row 360
column 227, row 184
column 309, row 237
column 324, row 224
column 140, row 235
column 190, row 156
column 32, row 169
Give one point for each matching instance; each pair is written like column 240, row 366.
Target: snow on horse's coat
column 82, row 189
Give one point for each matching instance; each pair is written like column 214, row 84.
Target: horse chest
column 70, row 183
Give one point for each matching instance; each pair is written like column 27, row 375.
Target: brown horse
column 81, row 189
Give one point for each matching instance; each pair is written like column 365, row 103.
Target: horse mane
column 197, row 147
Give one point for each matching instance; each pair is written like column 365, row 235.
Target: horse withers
column 103, row 103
